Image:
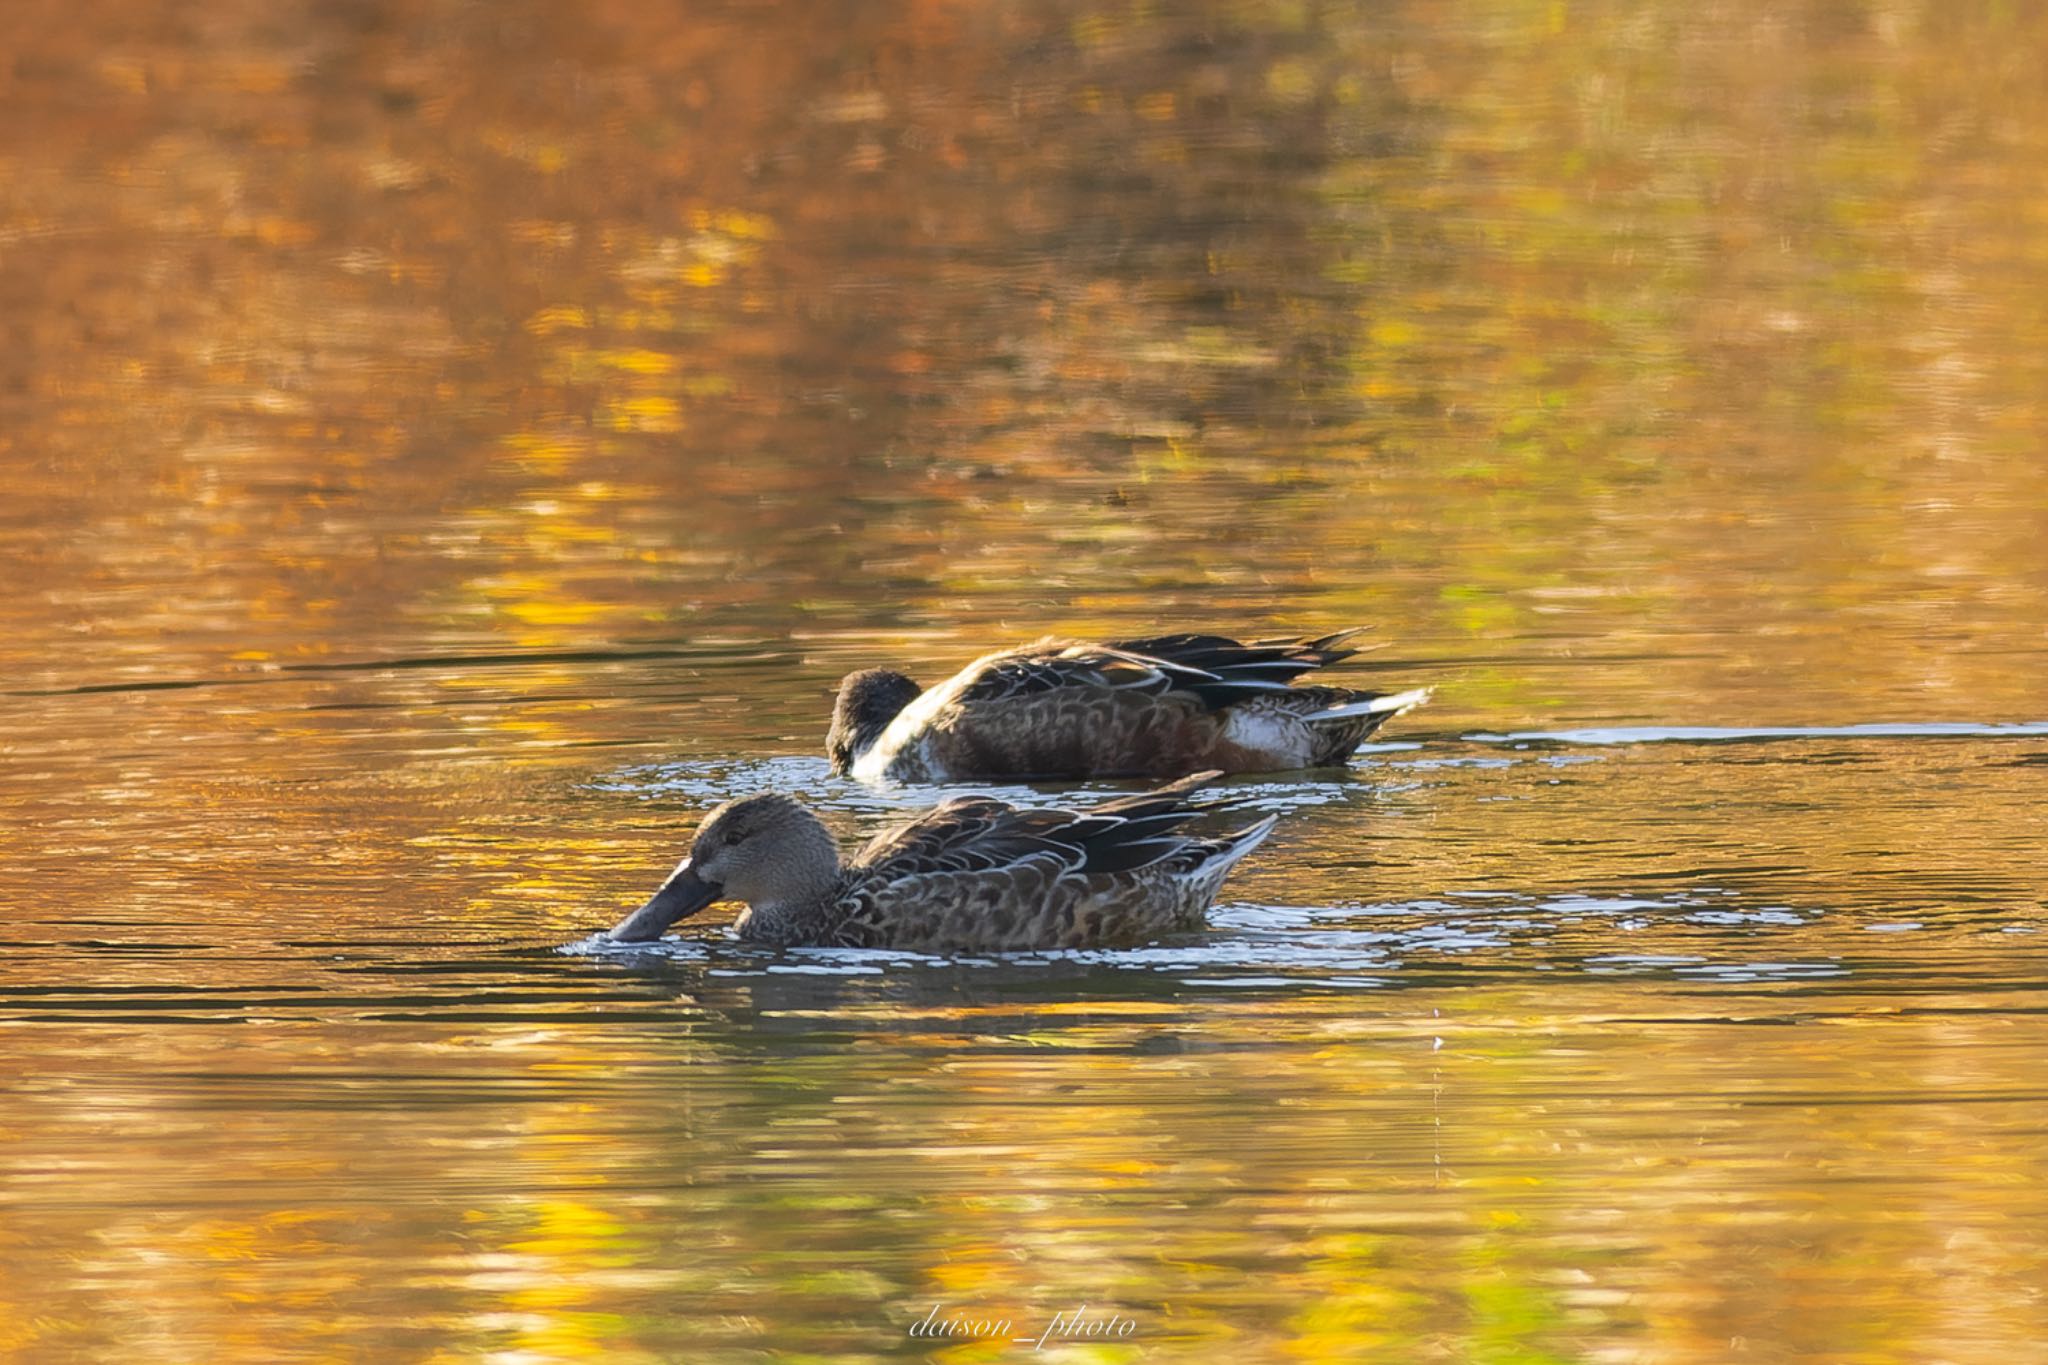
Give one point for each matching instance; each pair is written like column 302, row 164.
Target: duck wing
column 1242, row 670
column 1217, row 670
column 1060, row 665
column 979, row 834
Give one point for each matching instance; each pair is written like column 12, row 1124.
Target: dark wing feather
column 981, row 834
column 1219, row 671
column 1239, row 671
column 1054, row 665
column 928, row 839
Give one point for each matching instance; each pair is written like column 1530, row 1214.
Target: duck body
column 979, row 875
column 1164, row 706
column 974, row 875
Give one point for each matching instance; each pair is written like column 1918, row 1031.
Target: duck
column 1160, row 707
column 973, row 875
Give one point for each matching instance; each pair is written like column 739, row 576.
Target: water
column 446, row 447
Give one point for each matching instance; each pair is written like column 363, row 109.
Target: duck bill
column 682, row 895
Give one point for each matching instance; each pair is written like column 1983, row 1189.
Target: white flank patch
column 1265, row 730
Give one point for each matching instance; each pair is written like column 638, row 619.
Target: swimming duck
column 1158, row 707
column 973, row 875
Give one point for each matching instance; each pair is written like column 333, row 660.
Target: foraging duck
column 1158, row 707
column 973, row 875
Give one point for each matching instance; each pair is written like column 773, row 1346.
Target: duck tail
column 1392, row 704
column 1336, row 645
column 1232, row 847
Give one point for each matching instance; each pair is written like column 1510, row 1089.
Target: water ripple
column 1704, row 734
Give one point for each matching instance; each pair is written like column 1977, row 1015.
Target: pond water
column 445, row 447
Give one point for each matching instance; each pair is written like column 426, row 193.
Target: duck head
column 767, row 851
column 868, row 701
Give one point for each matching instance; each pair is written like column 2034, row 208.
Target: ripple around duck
column 1744, row 917
column 1708, row 734
column 709, row 781
column 1353, row 947
column 712, row 781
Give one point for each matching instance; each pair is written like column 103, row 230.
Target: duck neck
column 791, row 896
column 792, row 922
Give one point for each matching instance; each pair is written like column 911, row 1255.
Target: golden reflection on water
column 432, row 329
column 445, row 447
column 1372, row 1191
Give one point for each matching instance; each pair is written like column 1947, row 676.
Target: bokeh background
column 445, row 445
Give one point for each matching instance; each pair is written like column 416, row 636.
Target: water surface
column 445, row 447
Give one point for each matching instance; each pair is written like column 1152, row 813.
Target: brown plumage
column 973, row 875
column 1163, row 706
